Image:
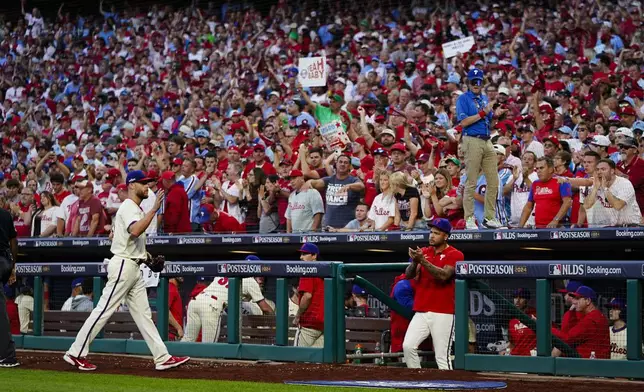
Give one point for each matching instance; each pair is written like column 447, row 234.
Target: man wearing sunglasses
column 475, row 114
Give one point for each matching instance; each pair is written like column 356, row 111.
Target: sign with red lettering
column 312, row 71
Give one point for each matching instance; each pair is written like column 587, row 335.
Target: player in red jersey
column 433, row 267
column 310, row 314
column 590, row 337
column 522, row 338
column 550, row 200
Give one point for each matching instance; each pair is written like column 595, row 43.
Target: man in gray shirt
column 305, row 207
column 342, row 193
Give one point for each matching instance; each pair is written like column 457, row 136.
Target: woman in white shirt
column 49, row 215
column 383, row 209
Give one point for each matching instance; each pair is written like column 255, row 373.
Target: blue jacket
column 469, row 104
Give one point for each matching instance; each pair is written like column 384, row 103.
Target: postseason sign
column 623, row 269
column 312, row 71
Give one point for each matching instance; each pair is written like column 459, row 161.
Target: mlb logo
column 498, row 235
column 462, row 269
column 554, row 235
column 554, row 269
column 256, row 239
column 351, row 238
column 222, row 268
column 304, row 239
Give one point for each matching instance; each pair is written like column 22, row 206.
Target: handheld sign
column 312, row 71
column 453, row 48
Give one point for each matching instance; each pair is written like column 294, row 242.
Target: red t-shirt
column 635, row 173
column 590, row 334
column 268, row 169
column 314, row 316
column 23, row 229
column 87, row 209
column 62, row 195
column 282, row 202
column 432, row 295
column 547, row 198
column 225, row 223
column 14, row 319
column 370, row 191
column 523, row 338
column 176, row 307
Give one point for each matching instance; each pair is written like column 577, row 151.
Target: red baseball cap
column 398, row 147
column 168, row 175
column 295, row 173
column 177, row 161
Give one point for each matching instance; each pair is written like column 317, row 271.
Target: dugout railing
column 280, row 350
column 609, row 278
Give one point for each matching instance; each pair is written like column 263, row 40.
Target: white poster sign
column 312, row 71
column 452, row 48
column 334, row 136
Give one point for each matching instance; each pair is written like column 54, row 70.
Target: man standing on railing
column 8, row 253
column 124, row 280
column 433, row 267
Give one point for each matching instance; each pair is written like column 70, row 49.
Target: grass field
column 22, row 380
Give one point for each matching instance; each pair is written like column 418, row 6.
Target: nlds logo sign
column 566, row 269
column 172, row 269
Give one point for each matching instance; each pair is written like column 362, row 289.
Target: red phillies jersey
column 522, row 338
column 175, row 305
column 314, row 315
column 433, row 295
column 547, row 198
column 590, row 334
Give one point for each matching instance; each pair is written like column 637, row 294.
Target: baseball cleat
column 80, row 363
column 9, row 363
column 173, row 362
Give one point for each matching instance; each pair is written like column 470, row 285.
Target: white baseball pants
column 124, row 283
column 204, row 313
column 440, row 327
column 308, row 337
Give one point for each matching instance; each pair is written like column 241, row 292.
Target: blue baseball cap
column 77, row 282
column 252, row 258
column 571, row 287
column 137, row 176
column 565, row 129
column 585, row 292
column 202, row 133
column 616, row 303
column 357, row 290
column 203, row 215
column 454, row 78
column 308, row 247
column 522, row 293
column 475, row 74
column 441, row 224
column 639, row 125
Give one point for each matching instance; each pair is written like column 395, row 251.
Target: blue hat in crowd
column 565, row 129
column 638, row 125
column 309, row 248
column 475, row 74
column 357, row 290
column 522, row 293
column 202, row 133
column 252, row 258
column 454, row 78
column 441, row 224
column 78, row 282
column 137, row 176
column 585, row 292
column 571, row 287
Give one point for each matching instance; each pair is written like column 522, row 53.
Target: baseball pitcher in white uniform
column 124, row 280
column 204, row 313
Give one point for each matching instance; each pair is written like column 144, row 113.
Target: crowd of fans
column 207, row 101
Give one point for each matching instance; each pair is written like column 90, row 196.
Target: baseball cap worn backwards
column 571, row 287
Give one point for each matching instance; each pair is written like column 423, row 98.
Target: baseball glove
column 156, row 263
